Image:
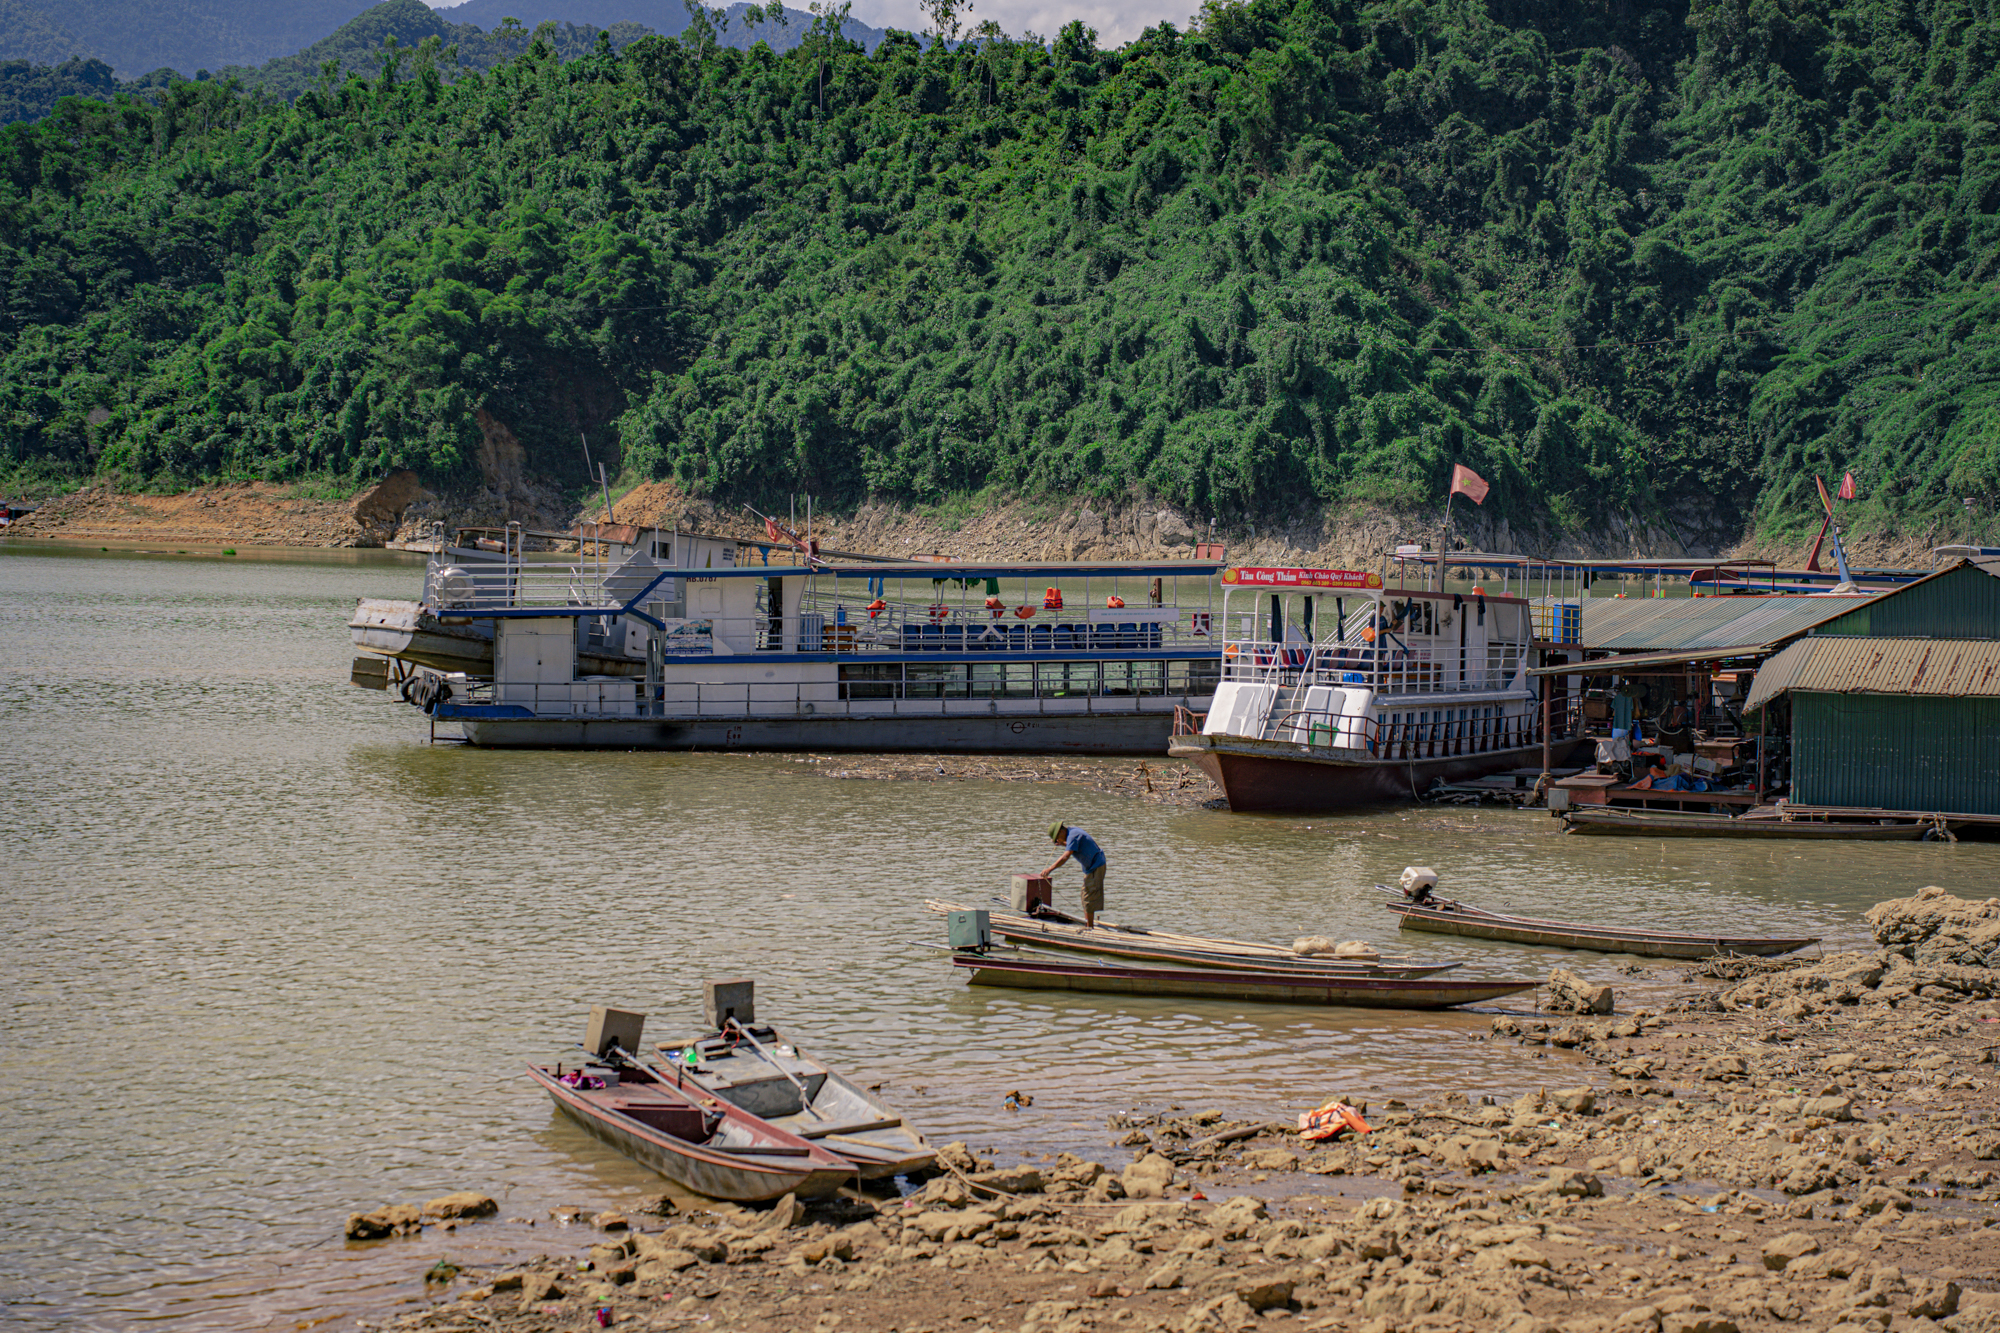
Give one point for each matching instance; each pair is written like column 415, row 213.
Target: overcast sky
column 1116, row 21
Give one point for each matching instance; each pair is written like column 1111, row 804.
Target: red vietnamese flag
column 1846, row 491
column 1466, row 482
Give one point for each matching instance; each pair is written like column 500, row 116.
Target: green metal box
column 970, row 930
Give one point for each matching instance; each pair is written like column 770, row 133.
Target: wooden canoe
column 1446, row 917
column 1140, row 945
column 822, row 1107
column 697, row 1140
column 1263, row 987
column 1614, row 821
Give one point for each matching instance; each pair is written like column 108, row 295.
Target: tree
column 947, row 18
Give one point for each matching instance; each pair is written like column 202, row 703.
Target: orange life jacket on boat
column 940, row 613
column 1115, row 602
column 1024, row 611
column 1052, row 600
column 876, row 607
column 996, row 606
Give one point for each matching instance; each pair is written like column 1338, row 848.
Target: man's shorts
column 1093, row 890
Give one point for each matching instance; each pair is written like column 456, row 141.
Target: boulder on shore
column 1571, row 994
column 1939, row 928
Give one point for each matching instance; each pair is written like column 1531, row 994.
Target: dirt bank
column 1749, row 1163
column 401, row 509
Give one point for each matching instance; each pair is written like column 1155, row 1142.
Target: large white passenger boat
column 1340, row 692
column 655, row 639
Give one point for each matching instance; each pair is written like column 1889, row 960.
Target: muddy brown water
column 270, row 958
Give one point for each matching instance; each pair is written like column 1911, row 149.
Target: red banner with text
column 1301, row 578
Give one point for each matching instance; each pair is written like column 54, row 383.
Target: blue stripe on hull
column 1098, row 733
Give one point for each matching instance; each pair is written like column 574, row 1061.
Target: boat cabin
column 635, row 623
column 1332, row 659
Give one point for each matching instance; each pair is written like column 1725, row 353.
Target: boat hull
column 1105, row 733
column 706, row 1172
column 1612, row 822
column 1268, row 988
column 1279, row 777
column 1473, row 924
column 1100, row 943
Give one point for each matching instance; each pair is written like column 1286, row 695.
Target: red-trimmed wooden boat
column 1369, row 992
column 775, row 1080
column 1106, row 939
column 696, row 1139
column 1602, row 820
column 1445, row 917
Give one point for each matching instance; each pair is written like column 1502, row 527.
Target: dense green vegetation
column 1613, row 258
column 29, row 92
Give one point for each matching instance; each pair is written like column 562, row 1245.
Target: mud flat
column 1809, row 1147
column 1156, row 781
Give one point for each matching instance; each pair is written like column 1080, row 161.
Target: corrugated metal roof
column 1669, row 624
column 1961, row 601
column 1958, row 668
column 1610, row 666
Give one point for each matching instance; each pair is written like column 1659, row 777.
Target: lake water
column 270, row 958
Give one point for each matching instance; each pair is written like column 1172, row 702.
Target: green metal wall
column 1961, row 604
column 1896, row 752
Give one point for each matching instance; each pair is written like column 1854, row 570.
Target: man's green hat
column 1056, row 831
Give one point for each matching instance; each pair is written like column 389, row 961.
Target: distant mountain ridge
column 134, row 36
column 26, row 33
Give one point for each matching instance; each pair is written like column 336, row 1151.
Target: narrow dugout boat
column 696, row 1139
column 1368, row 992
column 1057, row 931
column 1599, row 821
column 758, row 1070
column 1444, row 917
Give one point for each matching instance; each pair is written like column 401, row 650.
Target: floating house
column 1895, row 705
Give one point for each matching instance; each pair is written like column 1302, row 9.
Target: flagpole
column 1444, row 535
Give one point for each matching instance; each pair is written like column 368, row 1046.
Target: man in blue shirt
column 1089, row 859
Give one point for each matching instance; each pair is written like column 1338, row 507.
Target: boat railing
column 1389, row 671
column 612, row 697
column 844, row 628
column 1437, row 738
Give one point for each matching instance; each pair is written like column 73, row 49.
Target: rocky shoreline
column 1811, row 1146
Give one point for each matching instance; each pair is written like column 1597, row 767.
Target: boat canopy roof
column 1033, row 569
column 1674, row 567
column 1607, row 666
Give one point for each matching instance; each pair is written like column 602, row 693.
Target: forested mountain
column 361, row 44
column 26, row 33
column 1612, row 257
column 135, row 36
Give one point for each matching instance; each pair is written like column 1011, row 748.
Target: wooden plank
column 855, row 1127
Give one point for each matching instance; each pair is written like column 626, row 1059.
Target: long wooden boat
column 1367, row 992
column 1600, row 821
column 1445, row 917
column 696, row 1139
column 774, row 1079
column 1109, row 940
